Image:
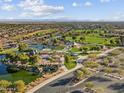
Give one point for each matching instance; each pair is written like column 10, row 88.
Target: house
column 46, row 56
column 77, row 45
column 33, row 52
column 81, row 59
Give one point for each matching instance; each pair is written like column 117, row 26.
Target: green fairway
column 94, row 39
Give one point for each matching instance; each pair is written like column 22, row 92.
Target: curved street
column 61, row 85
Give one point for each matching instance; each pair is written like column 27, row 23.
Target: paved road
column 54, row 78
column 57, row 86
column 61, row 85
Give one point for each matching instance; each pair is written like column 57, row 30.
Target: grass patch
column 74, row 49
column 91, row 38
column 27, row 77
column 70, row 65
column 59, row 48
column 94, row 39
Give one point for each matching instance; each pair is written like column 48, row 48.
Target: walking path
column 108, row 51
column 66, row 72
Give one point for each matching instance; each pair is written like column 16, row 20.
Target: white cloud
column 7, row 1
column 7, row 7
column 88, row 4
column 118, row 16
column 38, row 8
column 74, row 4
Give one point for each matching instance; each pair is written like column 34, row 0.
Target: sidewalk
column 108, row 51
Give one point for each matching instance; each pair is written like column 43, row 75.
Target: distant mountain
column 18, row 21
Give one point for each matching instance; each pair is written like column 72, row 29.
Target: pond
column 26, row 76
column 40, row 46
column 2, row 57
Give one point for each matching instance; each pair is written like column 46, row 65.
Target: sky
column 91, row 10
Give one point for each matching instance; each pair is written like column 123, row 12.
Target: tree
column 20, row 86
column 22, row 46
column 106, row 62
column 117, row 41
column 99, row 89
column 35, row 59
column 73, row 37
column 112, row 42
column 5, row 84
column 108, row 70
column 86, row 71
column 82, row 38
column 85, row 49
column 12, row 55
column 1, row 49
column 79, row 74
column 89, row 85
column 91, row 64
column 66, row 58
column 80, row 49
column 23, row 57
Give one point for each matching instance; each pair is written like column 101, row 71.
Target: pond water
column 3, row 69
column 26, row 76
column 2, row 57
column 40, row 46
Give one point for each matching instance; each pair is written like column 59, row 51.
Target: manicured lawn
column 70, row 65
column 21, row 75
column 91, row 38
column 88, row 39
column 75, row 49
column 94, row 39
column 59, row 48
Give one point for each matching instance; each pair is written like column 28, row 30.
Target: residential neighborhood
column 61, row 46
